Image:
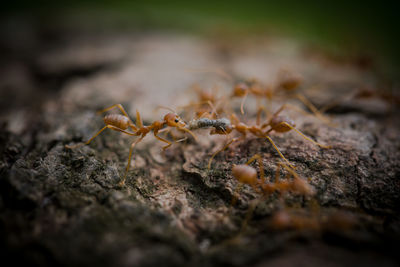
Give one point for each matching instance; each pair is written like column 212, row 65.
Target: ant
column 245, row 174
column 287, row 83
column 207, row 105
column 122, row 123
column 279, row 124
column 243, row 89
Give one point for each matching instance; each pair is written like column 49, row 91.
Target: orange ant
column 243, row 89
column 207, row 105
column 279, row 124
column 287, row 82
column 121, row 123
column 246, row 174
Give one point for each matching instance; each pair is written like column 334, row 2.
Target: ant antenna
column 164, row 107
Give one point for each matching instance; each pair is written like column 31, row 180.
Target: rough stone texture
column 65, row 207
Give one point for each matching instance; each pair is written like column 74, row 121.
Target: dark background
column 346, row 28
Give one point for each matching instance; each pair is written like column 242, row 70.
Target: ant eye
column 176, row 120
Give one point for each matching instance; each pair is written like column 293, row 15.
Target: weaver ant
column 207, row 105
column 286, row 86
column 121, row 123
column 287, row 82
column 279, row 124
column 245, row 174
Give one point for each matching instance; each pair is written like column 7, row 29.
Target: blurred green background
column 367, row 28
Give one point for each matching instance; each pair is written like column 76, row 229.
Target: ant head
column 244, row 173
column 173, row 120
column 240, row 89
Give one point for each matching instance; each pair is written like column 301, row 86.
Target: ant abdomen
column 279, row 124
column 119, row 121
column 245, row 174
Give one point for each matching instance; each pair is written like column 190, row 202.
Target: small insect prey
column 219, row 125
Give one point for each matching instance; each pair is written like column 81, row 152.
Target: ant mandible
column 121, row 123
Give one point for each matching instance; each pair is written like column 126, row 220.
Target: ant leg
column 314, row 110
column 261, row 108
column 188, row 131
column 279, row 110
column 321, row 117
column 268, row 120
column 99, row 132
column 113, row 106
column 129, row 160
column 214, row 111
column 296, row 108
column 242, row 103
column 235, row 120
column 291, row 171
column 277, row 150
column 163, row 140
column 277, row 172
column 304, row 136
column 139, row 119
column 86, row 143
column 220, row 150
column 260, row 164
column 281, row 166
column 168, row 131
column 234, row 194
column 174, row 138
